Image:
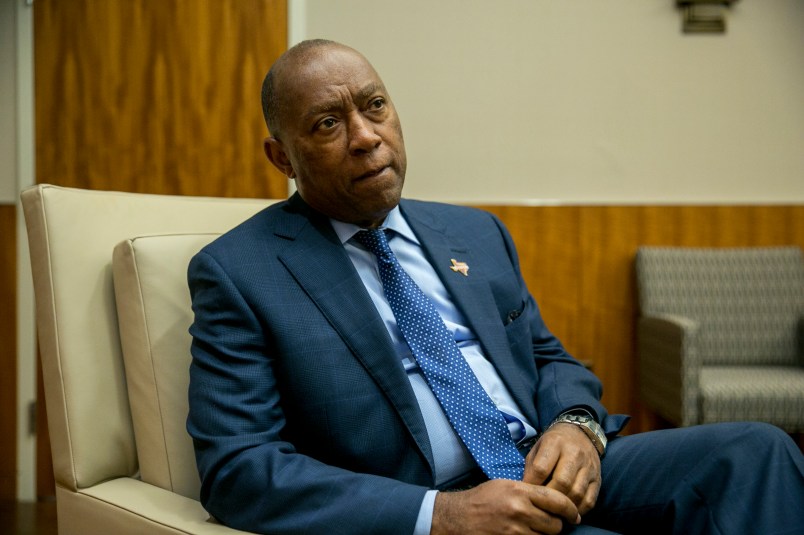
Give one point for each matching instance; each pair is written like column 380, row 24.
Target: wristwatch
column 588, row 425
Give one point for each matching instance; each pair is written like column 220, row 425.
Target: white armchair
column 122, row 460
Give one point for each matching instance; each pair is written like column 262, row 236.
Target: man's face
column 340, row 137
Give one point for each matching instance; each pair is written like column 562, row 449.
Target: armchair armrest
column 669, row 366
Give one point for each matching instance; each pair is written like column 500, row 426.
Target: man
column 313, row 408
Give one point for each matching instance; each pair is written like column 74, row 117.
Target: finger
column 583, row 491
column 541, row 461
column 540, row 521
column 550, row 525
column 569, row 478
column 590, row 499
column 555, row 505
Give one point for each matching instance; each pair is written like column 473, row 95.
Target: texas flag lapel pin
column 459, row 267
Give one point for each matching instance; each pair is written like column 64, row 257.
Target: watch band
column 588, row 425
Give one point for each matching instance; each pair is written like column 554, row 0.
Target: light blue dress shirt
column 450, row 456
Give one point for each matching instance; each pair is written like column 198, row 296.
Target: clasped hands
column 561, row 483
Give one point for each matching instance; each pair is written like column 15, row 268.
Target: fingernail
column 578, row 519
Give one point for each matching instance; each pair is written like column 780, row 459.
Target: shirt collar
column 394, row 221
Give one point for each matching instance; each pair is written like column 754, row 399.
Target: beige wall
column 8, row 96
column 603, row 102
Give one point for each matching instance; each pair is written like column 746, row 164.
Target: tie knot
column 375, row 240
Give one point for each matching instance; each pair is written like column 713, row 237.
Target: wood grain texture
column 156, row 97
column 151, row 97
column 578, row 262
column 8, row 352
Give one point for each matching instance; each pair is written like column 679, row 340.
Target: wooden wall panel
column 152, row 97
column 578, row 262
column 156, row 96
column 8, row 352
column 552, row 260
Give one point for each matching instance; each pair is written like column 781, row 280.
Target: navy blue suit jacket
column 303, row 418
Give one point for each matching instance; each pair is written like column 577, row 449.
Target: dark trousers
column 719, row 479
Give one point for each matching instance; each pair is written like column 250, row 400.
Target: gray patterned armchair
column 720, row 335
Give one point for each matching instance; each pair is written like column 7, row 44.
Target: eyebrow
column 362, row 94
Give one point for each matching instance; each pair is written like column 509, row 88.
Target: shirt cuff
column 425, row 520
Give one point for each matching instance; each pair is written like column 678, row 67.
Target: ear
column 275, row 152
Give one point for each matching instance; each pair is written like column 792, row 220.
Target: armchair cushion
column 772, row 394
column 127, row 506
column 154, row 311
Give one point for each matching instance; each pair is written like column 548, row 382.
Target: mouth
column 373, row 172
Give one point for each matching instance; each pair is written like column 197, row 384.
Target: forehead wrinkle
column 324, row 107
column 370, row 89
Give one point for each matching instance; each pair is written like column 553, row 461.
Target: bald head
column 274, row 98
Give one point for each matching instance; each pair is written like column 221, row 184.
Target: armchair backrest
column 747, row 301
column 154, row 313
column 72, row 234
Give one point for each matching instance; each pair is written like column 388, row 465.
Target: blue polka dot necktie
column 473, row 415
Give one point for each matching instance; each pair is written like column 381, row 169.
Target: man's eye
column 377, row 103
column 329, row 122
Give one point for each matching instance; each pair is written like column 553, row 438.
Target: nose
column 363, row 137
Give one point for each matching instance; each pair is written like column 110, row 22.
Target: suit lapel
column 321, row 266
column 472, row 295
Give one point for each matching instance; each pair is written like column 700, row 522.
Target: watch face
column 578, row 418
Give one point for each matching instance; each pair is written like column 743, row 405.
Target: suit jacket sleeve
column 252, row 479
